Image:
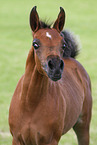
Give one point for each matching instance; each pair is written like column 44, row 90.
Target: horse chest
column 32, row 134
column 41, row 125
column 42, row 129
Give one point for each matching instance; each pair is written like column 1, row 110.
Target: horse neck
column 34, row 84
column 37, row 87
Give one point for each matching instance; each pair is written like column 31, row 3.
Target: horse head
column 48, row 45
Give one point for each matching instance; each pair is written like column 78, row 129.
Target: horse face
column 48, row 45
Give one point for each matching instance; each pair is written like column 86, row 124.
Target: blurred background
column 16, row 40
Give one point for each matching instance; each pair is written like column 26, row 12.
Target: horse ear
column 59, row 23
column 34, row 19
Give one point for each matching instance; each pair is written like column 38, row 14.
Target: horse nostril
column 61, row 64
column 50, row 64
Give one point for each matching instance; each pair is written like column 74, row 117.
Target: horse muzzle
column 55, row 67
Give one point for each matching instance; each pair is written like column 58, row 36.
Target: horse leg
column 82, row 133
column 82, row 126
column 14, row 142
column 20, row 142
column 54, row 142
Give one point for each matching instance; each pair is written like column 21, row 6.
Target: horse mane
column 72, row 45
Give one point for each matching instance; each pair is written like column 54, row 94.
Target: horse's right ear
column 34, row 20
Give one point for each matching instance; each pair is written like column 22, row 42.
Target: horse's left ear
column 59, row 23
column 34, row 20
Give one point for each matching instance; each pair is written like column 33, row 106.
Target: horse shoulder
column 75, row 81
column 79, row 70
column 13, row 110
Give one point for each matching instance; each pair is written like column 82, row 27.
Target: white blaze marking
column 48, row 35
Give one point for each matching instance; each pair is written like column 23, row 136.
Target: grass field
column 15, row 42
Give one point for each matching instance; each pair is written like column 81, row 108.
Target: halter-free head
column 48, row 45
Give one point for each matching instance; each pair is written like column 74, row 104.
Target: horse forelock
column 45, row 24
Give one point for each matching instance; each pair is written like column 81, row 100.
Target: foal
column 54, row 94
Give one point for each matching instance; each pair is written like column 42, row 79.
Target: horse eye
column 63, row 46
column 35, row 45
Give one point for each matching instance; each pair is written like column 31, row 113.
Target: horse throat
column 35, row 84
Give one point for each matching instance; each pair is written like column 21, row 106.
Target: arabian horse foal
column 54, row 94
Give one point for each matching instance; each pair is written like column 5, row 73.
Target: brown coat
column 42, row 110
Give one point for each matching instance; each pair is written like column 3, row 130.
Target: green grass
column 16, row 39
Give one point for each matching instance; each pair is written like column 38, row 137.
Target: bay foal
column 54, row 94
